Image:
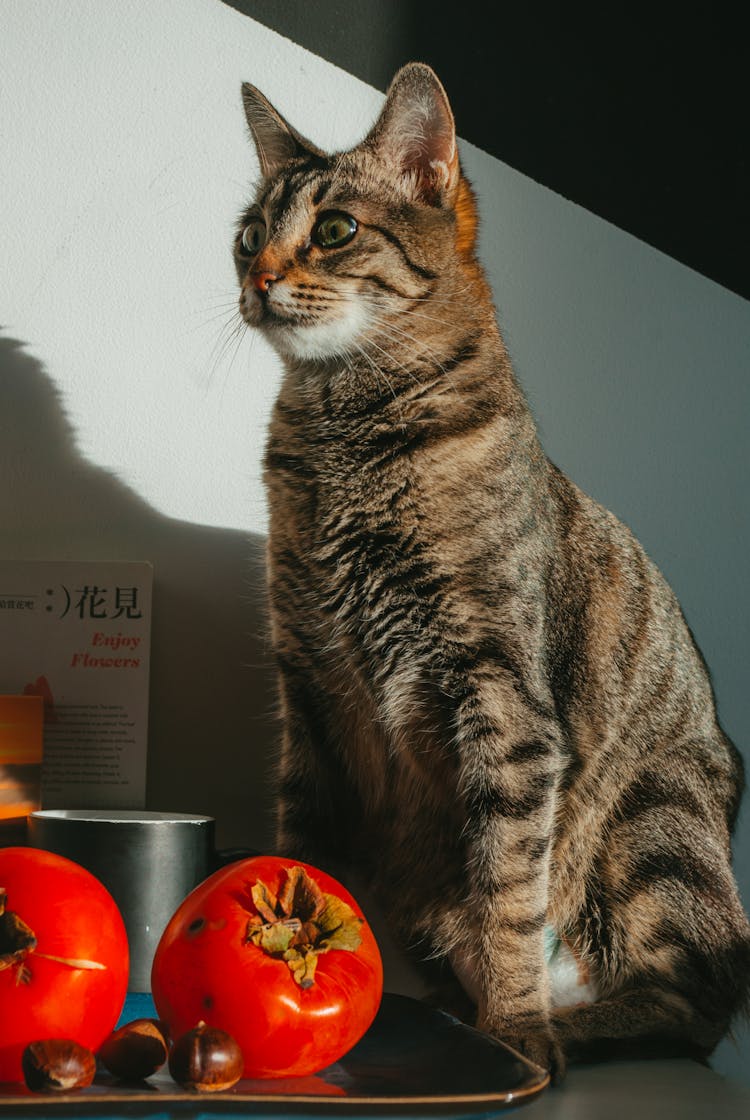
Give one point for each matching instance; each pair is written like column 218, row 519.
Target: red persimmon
column 277, row 954
column 63, row 955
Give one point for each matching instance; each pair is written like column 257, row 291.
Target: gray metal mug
column 148, row 861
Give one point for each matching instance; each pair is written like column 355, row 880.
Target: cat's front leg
column 513, row 1002
column 313, row 798
column 510, row 762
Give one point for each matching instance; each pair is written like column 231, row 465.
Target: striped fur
column 491, row 702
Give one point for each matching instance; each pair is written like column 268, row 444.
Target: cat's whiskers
column 385, row 328
column 380, row 374
column 222, row 304
column 382, row 305
column 382, row 299
column 393, row 332
column 426, row 354
column 393, row 363
column 211, row 317
column 228, row 341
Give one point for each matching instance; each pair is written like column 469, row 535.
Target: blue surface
column 138, row 1005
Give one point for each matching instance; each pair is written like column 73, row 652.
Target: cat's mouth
column 307, row 337
column 304, row 333
column 273, row 316
column 290, row 324
column 261, row 312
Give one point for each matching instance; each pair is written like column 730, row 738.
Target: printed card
column 78, row 636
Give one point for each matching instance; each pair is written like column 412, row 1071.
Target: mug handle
column 223, row 856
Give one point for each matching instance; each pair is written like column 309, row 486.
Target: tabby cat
column 491, row 703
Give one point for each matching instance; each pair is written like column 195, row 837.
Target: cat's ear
column 415, row 133
column 276, row 141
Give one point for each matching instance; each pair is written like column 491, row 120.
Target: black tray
column 413, row 1059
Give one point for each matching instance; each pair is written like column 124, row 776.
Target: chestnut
column 206, row 1059
column 57, row 1065
column 136, row 1050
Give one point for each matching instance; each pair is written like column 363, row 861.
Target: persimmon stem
column 301, row 923
column 17, row 940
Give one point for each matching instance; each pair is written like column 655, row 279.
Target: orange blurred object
column 21, row 737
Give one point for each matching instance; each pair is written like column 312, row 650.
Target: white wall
column 132, row 418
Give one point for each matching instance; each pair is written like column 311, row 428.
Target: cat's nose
column 263, row 281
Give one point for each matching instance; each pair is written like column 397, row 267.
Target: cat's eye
column 334, row 229
column 254, row 236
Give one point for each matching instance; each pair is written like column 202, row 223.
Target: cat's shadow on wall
column 212, row 701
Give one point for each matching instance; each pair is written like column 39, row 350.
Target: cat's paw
column 539, row 1045
column 532, row 1035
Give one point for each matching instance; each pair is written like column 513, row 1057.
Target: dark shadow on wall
column 212, row 695
column 552, row 94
